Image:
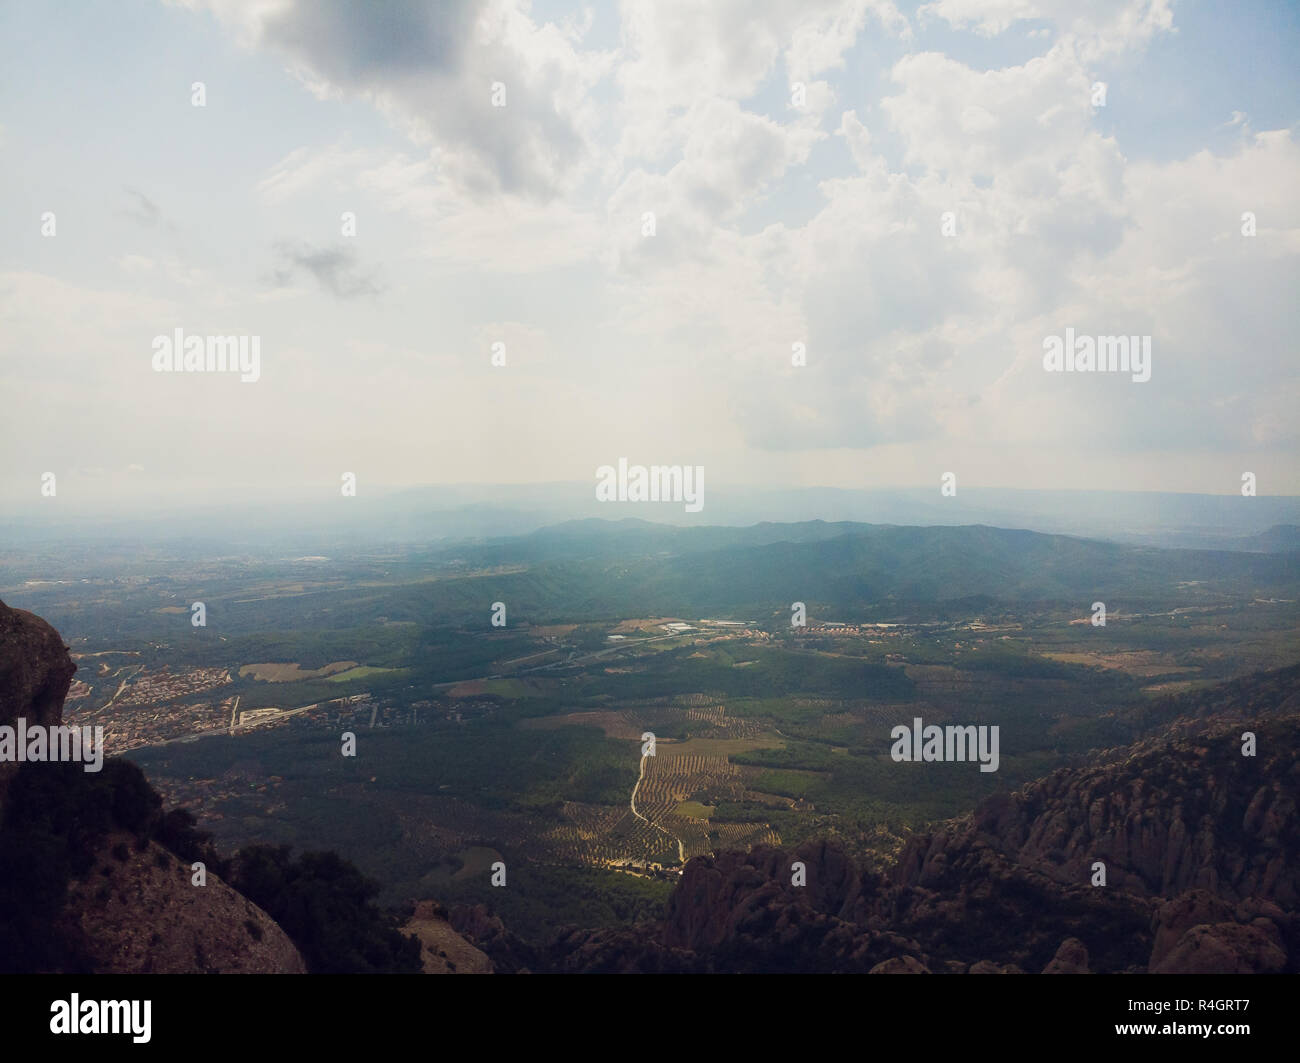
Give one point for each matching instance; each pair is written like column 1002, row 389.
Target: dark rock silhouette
column 1070, row 958
column 133, row 908
column 35, row 674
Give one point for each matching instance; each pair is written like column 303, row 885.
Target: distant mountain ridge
column 1279, row 539
column 633, row 568
column 306, row 523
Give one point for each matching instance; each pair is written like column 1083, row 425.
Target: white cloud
column 1095, row 27
column 431, row 68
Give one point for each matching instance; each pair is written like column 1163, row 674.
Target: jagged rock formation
column 1199, row 933
column 442, row 950
column 1070, row 958
column 1170, row 816
column 1191, row 833
column 138, row 912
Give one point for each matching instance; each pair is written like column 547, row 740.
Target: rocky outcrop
column 35, row 674
column 1199, row 933
column 117, row 901
column 1070, row 958
column 139, row 912
column 617, row 950
column 1190, row 832
column 1171, row 817
column 900, row 965
column 505, row 950
column 1197, row 839
column 1226, row 948
column 1174, row 918
column 983, row 914
column 743, row 911
column 719, row 898
column 442, row 950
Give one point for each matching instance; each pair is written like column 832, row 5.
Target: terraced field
column 674, row 780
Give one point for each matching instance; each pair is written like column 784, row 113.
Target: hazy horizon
column 271, row 525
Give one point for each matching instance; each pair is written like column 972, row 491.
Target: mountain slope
column 631, row 568
column 1201, row 847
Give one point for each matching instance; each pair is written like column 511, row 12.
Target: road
column 681, row 852
column 121, row 688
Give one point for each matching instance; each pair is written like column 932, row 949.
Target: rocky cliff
column 35, row 673
column 138, row 912
column 82, row 885
column 442, row 950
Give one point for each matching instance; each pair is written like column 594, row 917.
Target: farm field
column 290, row 673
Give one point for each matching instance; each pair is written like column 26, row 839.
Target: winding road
column 681, row 852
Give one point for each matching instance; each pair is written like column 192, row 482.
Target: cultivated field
column 278, row 672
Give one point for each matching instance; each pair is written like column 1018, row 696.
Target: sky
column 919, row 194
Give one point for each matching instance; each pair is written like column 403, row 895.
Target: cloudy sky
column 798, row 159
